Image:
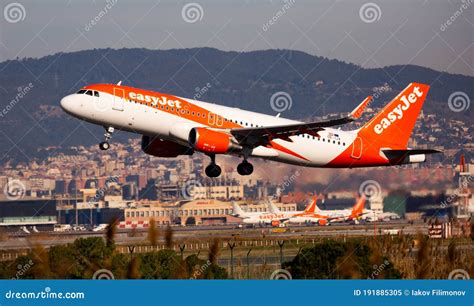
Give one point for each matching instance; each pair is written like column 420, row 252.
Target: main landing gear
column 213, row 170
column 245, row 168
column 105, row 145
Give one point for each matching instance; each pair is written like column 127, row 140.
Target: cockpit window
column 82, row 91
column 89, row 92
column 96, row 93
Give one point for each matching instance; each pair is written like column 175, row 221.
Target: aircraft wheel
column 104, row 145
column 245, row 168
column 213, row 170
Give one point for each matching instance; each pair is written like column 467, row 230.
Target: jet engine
column 211, row 141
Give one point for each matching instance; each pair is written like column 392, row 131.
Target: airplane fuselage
column 169, row 117
column 215, row 129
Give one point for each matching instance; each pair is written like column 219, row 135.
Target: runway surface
column 181, row 234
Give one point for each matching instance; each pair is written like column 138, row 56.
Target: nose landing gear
column 105, row 145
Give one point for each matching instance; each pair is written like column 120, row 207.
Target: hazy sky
column 369, row 33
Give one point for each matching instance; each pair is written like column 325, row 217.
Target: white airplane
column 172, row 126
column 269, row 218
column 100, row 227
column 373, row 216
column 240, row 213
column 324, row 217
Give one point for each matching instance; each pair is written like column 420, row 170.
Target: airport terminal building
column 197, row 212
column 28, row 215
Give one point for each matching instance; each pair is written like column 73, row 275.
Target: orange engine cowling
column 210, row 141
column 322, row 222
column 276, row 223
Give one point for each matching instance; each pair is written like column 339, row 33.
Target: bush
column 337, row 260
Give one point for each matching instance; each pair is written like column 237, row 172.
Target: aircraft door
column 357, row 148
column 119, row 99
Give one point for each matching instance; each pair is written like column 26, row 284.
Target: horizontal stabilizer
column 396, row 154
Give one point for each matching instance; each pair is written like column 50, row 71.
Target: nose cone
column 67, row 104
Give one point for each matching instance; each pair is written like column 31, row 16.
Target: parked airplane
column 324, row 217
column 173, row 126
column 269, row 218
column 372, row 216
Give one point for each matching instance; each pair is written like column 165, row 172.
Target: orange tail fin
column 394, row 123
column 311, row 206
column 358, row 208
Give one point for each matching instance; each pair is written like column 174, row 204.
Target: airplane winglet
column 357, row 112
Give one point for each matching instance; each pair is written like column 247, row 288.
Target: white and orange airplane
column 173, row 126
column 325, row 217
column 274, row 218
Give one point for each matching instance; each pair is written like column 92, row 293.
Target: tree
column 91, row 254
column 197, row 268
column 337, row 260
column 169, row 237
column 153, row 233
column 62, row 260
column 110, row 232
column 159, row 265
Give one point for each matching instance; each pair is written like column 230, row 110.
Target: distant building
column 225, row 191
column 197, row 212
column 31, row 214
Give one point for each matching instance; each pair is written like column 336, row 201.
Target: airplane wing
column 260, row 135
